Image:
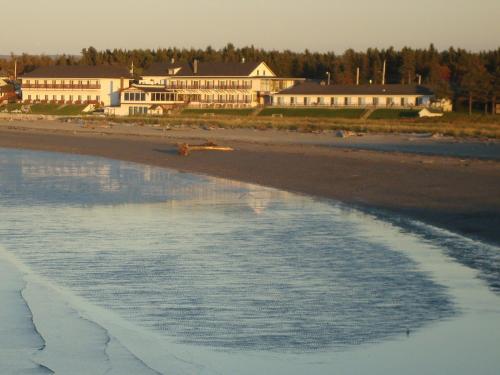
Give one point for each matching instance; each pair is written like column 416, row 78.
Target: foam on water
column 214, row 273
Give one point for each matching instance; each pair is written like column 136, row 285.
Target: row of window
column 207, row 84
column 137, row 111
column 162, row 97
column 71, row 98
column 347, row 100
column 170, row 97
column 62, row 81
column 135, row 96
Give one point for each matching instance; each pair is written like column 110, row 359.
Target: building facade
column 100, row 85
column 164, row 86
column 311, row 94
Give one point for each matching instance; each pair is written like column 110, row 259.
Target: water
column 217, row 264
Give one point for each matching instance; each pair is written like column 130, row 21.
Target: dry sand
column 453, row 184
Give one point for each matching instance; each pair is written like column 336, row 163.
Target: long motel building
column 312, row 94
column 75, row 84
column 164, row 86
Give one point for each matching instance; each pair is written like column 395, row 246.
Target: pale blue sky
column 66, row 26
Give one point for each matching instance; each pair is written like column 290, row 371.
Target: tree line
column 470, row 79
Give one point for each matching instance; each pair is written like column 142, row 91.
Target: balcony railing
column 208, row 87
column 56, row 86
column 216, row 101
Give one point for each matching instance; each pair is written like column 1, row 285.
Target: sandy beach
column 453, row 184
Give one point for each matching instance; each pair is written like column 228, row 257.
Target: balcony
column 208, row 87
column 55, row 86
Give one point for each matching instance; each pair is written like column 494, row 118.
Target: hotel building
column 311, row 94
column 75, row 84
column 164, row 86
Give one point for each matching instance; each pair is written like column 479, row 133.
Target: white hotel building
column 75, row 84
column 164, row 86
column 312, row 94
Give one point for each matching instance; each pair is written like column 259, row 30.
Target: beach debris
column 185, row 149
column 343, row 133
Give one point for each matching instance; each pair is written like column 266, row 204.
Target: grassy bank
column 314, row 112
column 388, row 114
column 458, row 126
column 216, row 111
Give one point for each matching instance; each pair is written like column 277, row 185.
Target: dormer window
column 171, row 72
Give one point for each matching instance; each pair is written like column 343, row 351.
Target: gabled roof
column 313, row 88
column 205, row 69
column 79, row 71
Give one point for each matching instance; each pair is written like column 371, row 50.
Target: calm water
column 212, row 262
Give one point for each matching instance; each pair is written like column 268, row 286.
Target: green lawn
column 55, row 109
column 11, row 107
column 314, row 112
column 387, row 114
column 218, row 111
column 71, row 110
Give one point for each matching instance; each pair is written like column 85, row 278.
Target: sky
column 67, row 26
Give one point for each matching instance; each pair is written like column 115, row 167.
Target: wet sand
column 449, row 183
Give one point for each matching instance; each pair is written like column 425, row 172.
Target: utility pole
column 419, row 79
column 328, row 79
column 357, row 76
column 383, row 73
column 15, row 70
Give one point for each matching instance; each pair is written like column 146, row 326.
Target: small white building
column 312, row 94
column 77, row 84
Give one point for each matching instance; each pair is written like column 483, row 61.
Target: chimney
column 243, row 60
column 383, row 73
column 172, row 60
column 195, row 66
column 357, row 76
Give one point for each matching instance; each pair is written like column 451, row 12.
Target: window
column 98, row 98
column 46, row 97
column 29, row 97
column 63, row 98
column 403, row 102
column 332, row 101
column 127, row 97
column 306, row 101
column 292, row 100
column 389, row 101
column 54, row 97
column 375, row 101
column 361, row 101
column 79, row 98
column 89, row 98
column 347, row 100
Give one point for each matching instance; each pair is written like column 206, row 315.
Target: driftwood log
column 185, row 149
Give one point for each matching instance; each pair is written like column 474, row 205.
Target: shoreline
column 460, row 195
